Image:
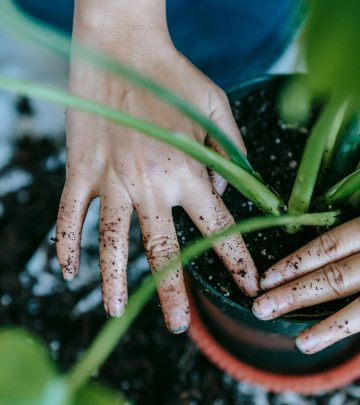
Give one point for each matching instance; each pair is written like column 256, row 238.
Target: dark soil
column 28, row 211
column 275, row 149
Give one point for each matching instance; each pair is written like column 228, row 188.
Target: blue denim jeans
column 229, row 40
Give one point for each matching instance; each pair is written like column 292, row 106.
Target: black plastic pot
column 267, row 345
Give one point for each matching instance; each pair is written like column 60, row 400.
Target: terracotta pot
column 206, row 337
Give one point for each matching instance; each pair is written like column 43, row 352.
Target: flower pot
column 264, row 352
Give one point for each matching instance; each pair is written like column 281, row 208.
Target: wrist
column 114, row 17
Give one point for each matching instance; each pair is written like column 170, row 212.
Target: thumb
column 222, row 116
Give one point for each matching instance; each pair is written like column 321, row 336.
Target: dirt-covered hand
column 326, row 269
column 129, row 171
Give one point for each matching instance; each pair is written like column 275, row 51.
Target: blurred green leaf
column 295, row 101
column 347, row 150
column 332, row 46
column 97, row 394
column 25, row 368
column 56, row 392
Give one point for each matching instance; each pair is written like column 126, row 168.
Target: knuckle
column 72, row 236
column 162, row 248
column 290, row 299
column 221, row 95
column 329, row 245
column 109, row 232
column 147, row 168
column 66, row 231
column 334, row 278
column 69, row 211
column 219, row 220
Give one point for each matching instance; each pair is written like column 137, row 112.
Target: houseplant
column 249, row 185
column 268, row 346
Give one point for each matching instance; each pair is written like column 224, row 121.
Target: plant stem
column 342, row 191
column 328, row 124
column 238, row 177
column 338, row 122
column 109, row 336
column 60, row 44
column 115, row 328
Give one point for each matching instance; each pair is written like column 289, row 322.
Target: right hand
column 325, row 269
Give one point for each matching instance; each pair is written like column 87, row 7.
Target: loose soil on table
column 274, row 149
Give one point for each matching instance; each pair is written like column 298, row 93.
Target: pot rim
column 306, row 384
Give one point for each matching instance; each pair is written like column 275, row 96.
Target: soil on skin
column 274, row 149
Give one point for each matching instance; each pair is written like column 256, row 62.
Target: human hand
column 326, row 269
column 130, row 171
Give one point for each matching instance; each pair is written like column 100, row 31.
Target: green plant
column 330, row 49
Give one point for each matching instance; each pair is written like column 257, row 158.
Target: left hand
column 326, row 269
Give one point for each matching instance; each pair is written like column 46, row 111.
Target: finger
column 336, row 280
column 217, row 181
column 332, row 246
column 338, row 326
column 161, row 245
column 115, row 217
column 74, row 204
column 209, row 214
column 223, row 117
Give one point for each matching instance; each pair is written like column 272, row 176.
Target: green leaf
column 295, row 101
column 25, row 368
column 332, row 46
column 342, row 191
column 97, row 394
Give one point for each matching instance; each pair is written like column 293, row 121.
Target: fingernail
column 307, row 344
column 253, row 290
column 264, row 308
column 180, row 329
column 115, row 307
column 178, row 321
column 68, row 276
column 270, row 279
column 220, row 185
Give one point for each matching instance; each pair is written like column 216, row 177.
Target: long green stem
column 328, row 124
column 15, row 20
column 238, row 177
column 341, row 191
column 339, row 119
column 114, row 328
column 109, row 336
